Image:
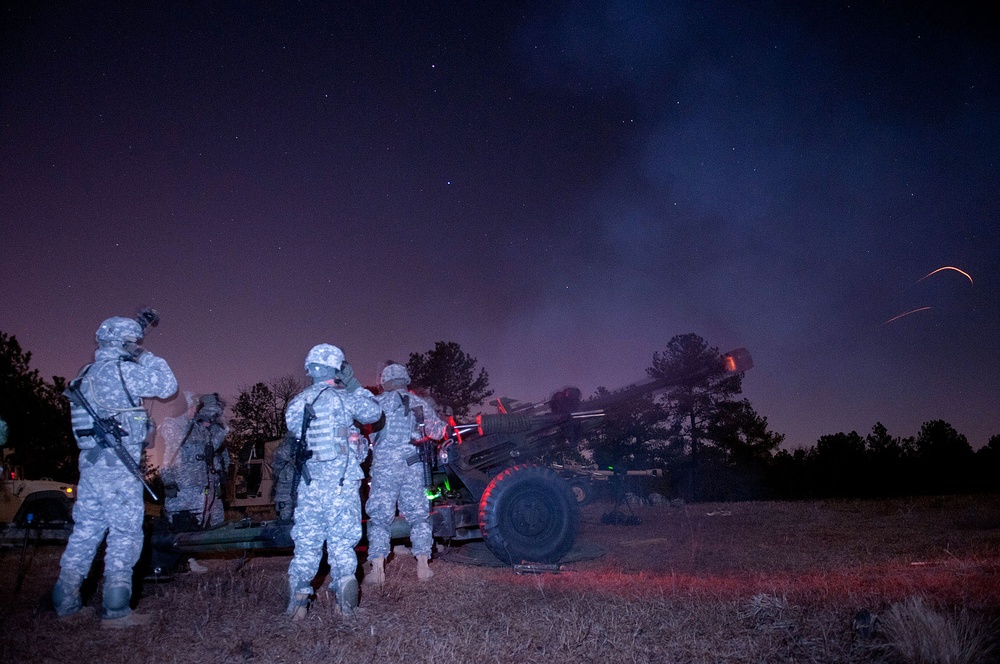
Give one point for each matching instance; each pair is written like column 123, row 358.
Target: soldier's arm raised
column 434, row 427
column 363, row 406
column 149, row 376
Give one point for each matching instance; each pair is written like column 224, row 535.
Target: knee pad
column 66, row 597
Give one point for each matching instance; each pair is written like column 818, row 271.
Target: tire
column 583, row 491
column 528, row 513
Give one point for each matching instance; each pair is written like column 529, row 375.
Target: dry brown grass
column 746, row 582
column 922, row 634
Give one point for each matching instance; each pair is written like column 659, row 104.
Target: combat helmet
column 210, row 405
column 118, row 330
column 394, row 372
column 326, row 355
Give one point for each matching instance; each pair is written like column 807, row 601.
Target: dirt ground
column 736, row 582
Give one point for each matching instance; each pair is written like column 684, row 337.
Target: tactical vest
column 191, row 448
column 81, row 419
column 401, row 423
column 328, row 434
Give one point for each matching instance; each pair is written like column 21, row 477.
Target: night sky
column 560, row 187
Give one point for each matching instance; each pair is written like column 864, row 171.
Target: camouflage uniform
column 329, row 507
column 109, row 498
column 193, row 482
column 393, row 480
column 283, row 469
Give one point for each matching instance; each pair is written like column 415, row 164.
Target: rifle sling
column 121, row 377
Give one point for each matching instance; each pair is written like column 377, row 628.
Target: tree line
column 712, row 444
column 716, row 447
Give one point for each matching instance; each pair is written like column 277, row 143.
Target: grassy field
column 736, row 582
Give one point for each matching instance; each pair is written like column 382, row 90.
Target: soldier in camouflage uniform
column 195, row 463
column 328, row 506
column 109, row 498
column 283, row 469
column 398, row 475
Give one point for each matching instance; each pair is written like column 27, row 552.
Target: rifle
column 300, row 453
column 425, row 449
column 209, row 456
column 211, row 494
column 108, row 433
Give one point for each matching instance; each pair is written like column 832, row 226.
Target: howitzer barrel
column 525, row 423
column 735, row 361
column 512, row 423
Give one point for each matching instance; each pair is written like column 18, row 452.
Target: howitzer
column 493, row 489
column 108, row 433
column 520, row 432
column 523, row 511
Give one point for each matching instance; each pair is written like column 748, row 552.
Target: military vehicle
column 487, row 482
column 44, row 506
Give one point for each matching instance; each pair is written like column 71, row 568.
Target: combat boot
column 376, row 576
column 424, row 572
column 347, row 595
column 298, row 601
column 131, row 619
column 116, row 613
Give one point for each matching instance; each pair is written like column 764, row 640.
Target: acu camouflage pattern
column 328, row 509
column 195, row 463
column 283, row 467
column 109, row 497
column 393, row 481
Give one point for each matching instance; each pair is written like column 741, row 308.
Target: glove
column 347, row 378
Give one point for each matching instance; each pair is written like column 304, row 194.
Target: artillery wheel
column 528, row 513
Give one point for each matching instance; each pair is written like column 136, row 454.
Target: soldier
column 195, row 463
column 109, row 499
column 398, row 475
column 328, row 506
column 283, row 471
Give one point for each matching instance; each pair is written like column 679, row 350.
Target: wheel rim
column 531, row 514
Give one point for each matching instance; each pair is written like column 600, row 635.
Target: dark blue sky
column 560, row 187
